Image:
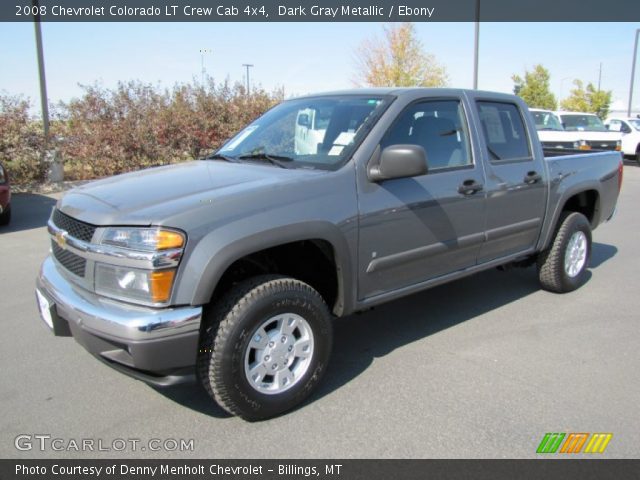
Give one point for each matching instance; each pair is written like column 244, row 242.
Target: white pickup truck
column 630, row 129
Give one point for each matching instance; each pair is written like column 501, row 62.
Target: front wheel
column 562, row 267
column 267, row 344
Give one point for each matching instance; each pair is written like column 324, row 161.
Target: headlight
column 149, row 285
column 143, row 286
column 618, row 145
column 145, row 239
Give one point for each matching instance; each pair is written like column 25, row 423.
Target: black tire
column 551, row 262
column 5, row 217
column 231, row 325
column 638, row 154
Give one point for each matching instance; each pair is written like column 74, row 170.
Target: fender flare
column 217, row 253
column 577, row 189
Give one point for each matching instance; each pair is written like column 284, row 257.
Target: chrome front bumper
column 150, row 340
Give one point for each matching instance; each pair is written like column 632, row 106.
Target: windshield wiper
column 279, row 160
column 219, row 156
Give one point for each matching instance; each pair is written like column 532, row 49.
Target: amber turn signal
column 161, row 283
column 168, row 239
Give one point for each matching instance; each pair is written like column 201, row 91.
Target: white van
column 591, row 129
column 629, row 128
column 552, row 134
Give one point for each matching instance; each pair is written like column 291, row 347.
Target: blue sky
column 307, row 57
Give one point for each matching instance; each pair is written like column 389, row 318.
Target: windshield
column 583, row 122
column 546, row 121
column 316, row 132
column 635, row 124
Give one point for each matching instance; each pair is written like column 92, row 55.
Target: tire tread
column 550, row 261
column 224, row 317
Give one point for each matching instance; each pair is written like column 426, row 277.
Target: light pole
column 476, row 44
column 203, row 70
column 633, row 71
column 247, row 65
column 43, row 82
column 561, row 85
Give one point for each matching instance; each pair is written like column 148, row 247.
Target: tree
column 534, row 88
column 588, row 100
column 21, row 140
column 399, row 60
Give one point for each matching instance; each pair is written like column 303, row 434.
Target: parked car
column 630, row 129
column 230, row 269
column 592, row 130
column 5, row 196
column 553, row 135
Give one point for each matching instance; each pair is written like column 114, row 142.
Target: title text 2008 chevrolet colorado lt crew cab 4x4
column 230, row 268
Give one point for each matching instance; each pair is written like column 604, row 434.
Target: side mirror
column 303, row 120
column 399, row 161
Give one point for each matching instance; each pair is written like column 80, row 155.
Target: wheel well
column 311, row 261
column 586, row 202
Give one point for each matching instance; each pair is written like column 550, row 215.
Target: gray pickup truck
column 229, row 269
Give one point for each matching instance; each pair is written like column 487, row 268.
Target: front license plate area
column 47, row 307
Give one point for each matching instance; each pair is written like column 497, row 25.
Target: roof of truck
column 397, row 91
column 563, row 112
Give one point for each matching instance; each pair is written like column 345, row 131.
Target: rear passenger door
column 515, row 181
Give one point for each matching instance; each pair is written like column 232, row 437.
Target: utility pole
column 247, row 65
column 203, row 71
column 51, row 159
column 43, row 82
column 599, row 76
column 476, row 45
column 633, row 72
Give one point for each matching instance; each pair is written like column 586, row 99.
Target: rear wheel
column 563, row 266
column 5, row 216
column 266, row 347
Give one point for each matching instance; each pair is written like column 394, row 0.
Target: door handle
column 469, row 187
column 532, row 177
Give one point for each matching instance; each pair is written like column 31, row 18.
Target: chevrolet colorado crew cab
column 229, row 269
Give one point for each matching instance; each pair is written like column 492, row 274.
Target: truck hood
column 153, row 195
column 573, row 135
column 599, row 136
column 558, row 136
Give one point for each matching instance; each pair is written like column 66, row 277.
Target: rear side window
column 504, row 131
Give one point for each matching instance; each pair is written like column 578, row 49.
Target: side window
column 624, row 128
column 439, row 127
column 615, row 126
column 504, row 131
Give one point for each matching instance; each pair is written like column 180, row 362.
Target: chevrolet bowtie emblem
column 61, row 239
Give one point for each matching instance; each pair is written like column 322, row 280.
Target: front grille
column 75, row 228
column 69, row 260
column 570, row 145
column 606, row 145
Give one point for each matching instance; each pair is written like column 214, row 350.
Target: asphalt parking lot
column 482, row 367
